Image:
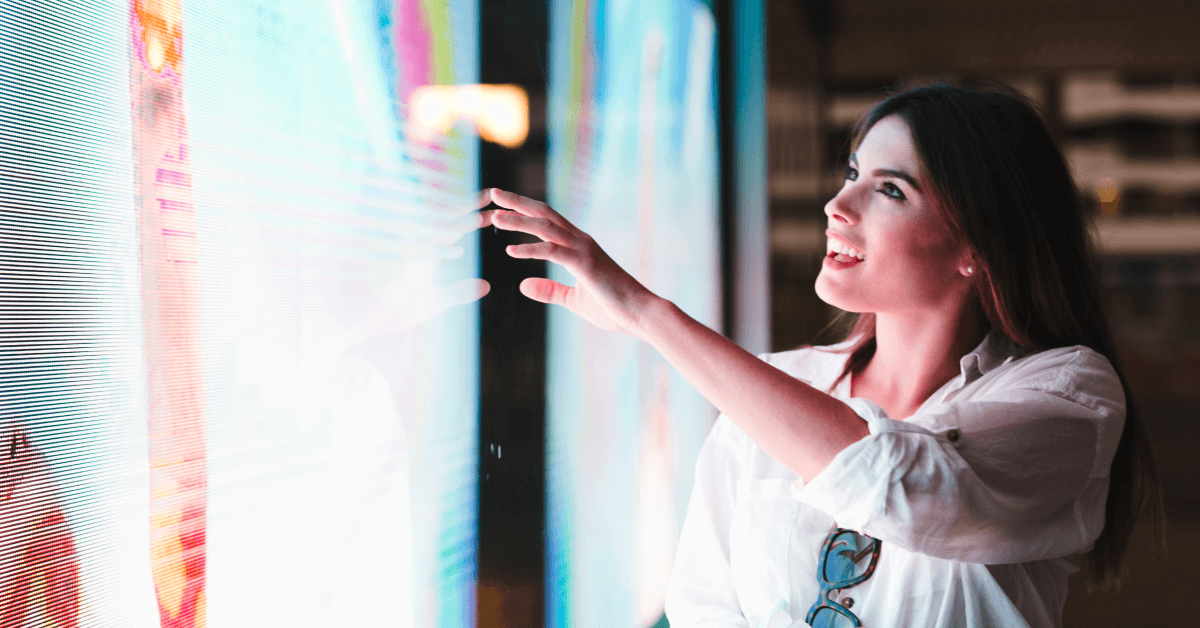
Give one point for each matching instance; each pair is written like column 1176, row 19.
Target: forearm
column 798, row 425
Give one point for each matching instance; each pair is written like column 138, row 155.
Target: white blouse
column 982, row 500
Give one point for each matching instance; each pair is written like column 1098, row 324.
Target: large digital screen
column 240, row 379
column 633, row 162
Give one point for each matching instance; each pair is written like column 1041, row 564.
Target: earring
column 970, row 270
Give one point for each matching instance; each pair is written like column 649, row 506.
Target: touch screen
column 240, row 383
column 633, row 162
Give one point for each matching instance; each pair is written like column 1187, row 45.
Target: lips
column 838, row 261
column 838, row 244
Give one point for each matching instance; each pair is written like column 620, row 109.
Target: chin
column 825, row 292
column 830, row 296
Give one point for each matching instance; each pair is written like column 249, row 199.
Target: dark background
column 513, row 45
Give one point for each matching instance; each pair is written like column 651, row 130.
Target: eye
column 850, row 174
column 890, row 189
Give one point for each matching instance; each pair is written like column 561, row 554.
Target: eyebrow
column 889, row 172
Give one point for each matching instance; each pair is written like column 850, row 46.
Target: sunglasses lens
column 827, row 617
column 849, row 556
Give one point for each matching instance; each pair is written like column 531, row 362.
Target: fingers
column 540, row 227
column 447, row 229
column 546, row 291
column 527, row 206
column 548, row 251
column 450, row 229
column 473, row 219
column 485, row 218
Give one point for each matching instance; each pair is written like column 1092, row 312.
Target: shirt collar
column 993, row 351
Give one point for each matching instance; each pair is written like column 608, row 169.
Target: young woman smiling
column 971, row 444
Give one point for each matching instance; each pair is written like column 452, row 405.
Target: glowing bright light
column 499, row 112
column 1107, row 190
column 1107, row 193
column 160, row 26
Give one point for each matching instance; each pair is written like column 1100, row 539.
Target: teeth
column 838, row 247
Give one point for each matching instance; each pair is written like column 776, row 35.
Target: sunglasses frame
column 823, row 600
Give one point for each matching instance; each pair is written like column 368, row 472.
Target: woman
column 967, row 447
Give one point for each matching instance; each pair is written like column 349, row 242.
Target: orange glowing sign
column 500, row 112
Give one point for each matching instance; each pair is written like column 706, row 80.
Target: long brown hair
column 1008, row 197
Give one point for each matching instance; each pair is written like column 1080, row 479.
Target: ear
column 967, row 265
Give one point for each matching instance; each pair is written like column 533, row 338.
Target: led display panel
column 240, row 359
column 633, row 162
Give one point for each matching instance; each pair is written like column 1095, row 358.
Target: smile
column 837, row 261
column 835, row 248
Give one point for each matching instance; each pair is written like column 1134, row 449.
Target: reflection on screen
column 238, row 391
column 633, row 162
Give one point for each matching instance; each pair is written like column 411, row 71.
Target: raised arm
column 798, row 425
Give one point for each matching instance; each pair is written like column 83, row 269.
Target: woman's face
column 886, row 212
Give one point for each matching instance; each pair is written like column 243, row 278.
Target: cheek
column 910, row 251
column 918, row 243
column 919, row 269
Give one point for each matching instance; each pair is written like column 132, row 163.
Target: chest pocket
column 762, row 534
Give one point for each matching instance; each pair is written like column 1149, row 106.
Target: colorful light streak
column 171, row 314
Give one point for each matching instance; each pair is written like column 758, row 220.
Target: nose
column 839, row 208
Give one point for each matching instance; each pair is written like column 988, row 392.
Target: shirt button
column 953, row 436
column 848, row 602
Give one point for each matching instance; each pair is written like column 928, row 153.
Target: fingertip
column 525, row 287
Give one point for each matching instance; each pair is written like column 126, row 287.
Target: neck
column 915, row 354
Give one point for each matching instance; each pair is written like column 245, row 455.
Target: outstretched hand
column 604, row 294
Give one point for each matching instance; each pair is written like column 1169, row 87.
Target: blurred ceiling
column 873, row 38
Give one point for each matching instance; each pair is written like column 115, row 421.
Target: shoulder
column 1076, row 373
column 1061, row 391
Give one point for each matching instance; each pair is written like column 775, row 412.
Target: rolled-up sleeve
column 1014, row 475
column 701, row 590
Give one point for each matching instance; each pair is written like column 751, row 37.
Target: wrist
column 652, row 311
